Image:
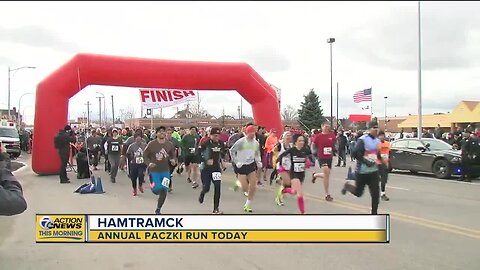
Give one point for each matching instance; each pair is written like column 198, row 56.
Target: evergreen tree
column 311, row 114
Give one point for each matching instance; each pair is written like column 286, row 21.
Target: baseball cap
column 114, row 130
column 250, row 129
column 215, row 131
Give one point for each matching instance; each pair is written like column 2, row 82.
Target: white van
column 9, row 138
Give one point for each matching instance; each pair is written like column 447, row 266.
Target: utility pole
column 100, row 110
column 337, row 109
column 88, row 114
column 113, row 113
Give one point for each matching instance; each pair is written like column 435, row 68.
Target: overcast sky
column 376, row 46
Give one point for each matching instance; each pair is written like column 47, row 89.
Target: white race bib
column 327, row 150
column 192, row 150
column 216, row 176
column 372, row 157
column 384, row 156
column 139, row 160
column 299, row 167
column 165, row 182
column 114, row 148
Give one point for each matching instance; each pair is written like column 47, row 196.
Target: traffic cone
column 350, row 175
column 99, row 186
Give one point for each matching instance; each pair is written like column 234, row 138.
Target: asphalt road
column 435, row 224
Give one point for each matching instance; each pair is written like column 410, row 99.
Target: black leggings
column 137, row 172
column 371, row 180
column 207, row 179
column 161, row 198
column 383, row 174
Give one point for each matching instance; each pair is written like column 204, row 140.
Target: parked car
column 426, row 155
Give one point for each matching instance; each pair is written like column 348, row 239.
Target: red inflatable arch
column 53, row 93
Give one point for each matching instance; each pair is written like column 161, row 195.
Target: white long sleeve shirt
column 245, row 152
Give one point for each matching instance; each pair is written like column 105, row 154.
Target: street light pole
column 19, row 122
column 385, row 119
column 9, row 75
column 419, row 128
column 331, row 41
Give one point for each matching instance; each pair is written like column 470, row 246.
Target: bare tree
column 197, row 110
column 289, row 113
column 127, row 113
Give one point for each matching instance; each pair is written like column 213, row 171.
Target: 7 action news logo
column 60, row 228
column 47, row 223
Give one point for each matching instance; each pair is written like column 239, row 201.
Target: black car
column 425, row 155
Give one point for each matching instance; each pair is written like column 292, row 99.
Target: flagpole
column 371, row 104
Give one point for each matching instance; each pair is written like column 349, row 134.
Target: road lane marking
column 468, row 232
column 397, row 188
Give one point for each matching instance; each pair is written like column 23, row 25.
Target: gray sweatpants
column 114, row 160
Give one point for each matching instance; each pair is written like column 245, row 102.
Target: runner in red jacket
column 324, row 143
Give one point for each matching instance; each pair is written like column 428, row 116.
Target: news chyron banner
column 219, row 229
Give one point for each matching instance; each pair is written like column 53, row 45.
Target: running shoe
column 157, row 212
column 328, row 198
column 236, row 186
column 194, row 185
column 189, row 180
column 245, row 193
column 279, row 196
column 247, row 209
column 140, row 188
column 217, row 212
column 201, row 198
column 313, row 178
column 135, row 192
column 385, row 198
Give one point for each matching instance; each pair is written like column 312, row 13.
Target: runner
column 294, row 161
column 176, row 144
column 384, row 167
column 124, row 159
column 158, row 155
column 270, row 144
column 284, row 145
column 211, row 153
column 94, row 147
column 366, row 153
column 246, row 156
column 324, row 143
column 113, row 149
column 137, row 165
column 189, row 146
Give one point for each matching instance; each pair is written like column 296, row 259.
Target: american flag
column 363, row 95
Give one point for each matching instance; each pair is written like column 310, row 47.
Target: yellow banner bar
column 377, row 236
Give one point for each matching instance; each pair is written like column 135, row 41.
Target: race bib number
column 299, row 167
column 192, row 150
column 139, row 160
column 327, row 151
column 166, row 182
column 371, row 157
column 216, row 176
column 114, row 148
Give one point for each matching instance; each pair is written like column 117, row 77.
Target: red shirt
column 204, row 139
column 325, row 144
